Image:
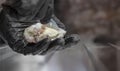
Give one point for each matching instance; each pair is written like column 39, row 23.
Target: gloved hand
column 12, row 32
column 62, row 43
column 14, row 19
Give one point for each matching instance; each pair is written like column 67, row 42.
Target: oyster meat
column 38, row 32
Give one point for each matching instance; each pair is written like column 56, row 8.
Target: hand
column 71, row 40
column 61, row 43
column 41, row 46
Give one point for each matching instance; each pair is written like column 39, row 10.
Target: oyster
column 38, row 32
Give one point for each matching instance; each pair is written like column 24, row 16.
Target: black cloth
column 17, row 15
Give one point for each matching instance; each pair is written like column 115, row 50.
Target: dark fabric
column 20, row 14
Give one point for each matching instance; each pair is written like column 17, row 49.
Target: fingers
column 41, row 46
column 71, row 40
column 53, row 46
column 62, row 43
column 46, row 46
column 59, row 41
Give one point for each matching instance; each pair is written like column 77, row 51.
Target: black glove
column 12, row 32
column 13, row 21
column 17, row 15
column 62, row 43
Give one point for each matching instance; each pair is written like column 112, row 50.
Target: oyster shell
column 38, row 32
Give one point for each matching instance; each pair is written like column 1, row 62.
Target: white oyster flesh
column 36, row 33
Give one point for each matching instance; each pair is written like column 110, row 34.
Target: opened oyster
column 38, row 32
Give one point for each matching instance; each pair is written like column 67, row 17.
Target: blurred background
column 98, row 24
